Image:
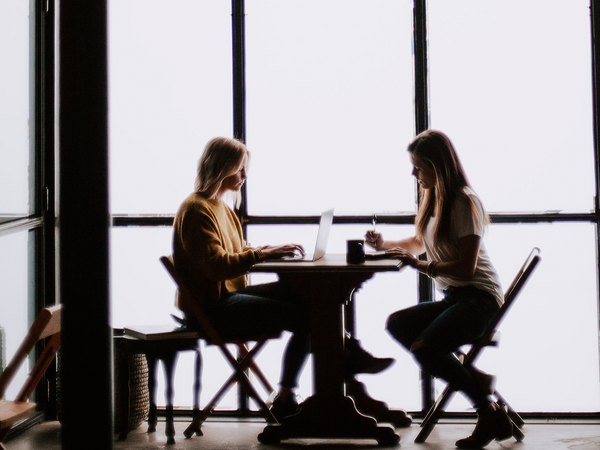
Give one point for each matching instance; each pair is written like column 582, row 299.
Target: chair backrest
column 211, row 334
column 46, row 324
column 511, row 294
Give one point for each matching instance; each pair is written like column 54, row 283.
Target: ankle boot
column 493, row 423
column 485, row 380
column 358, row 360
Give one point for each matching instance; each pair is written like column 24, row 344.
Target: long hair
column 435, row 149
column 221, row 157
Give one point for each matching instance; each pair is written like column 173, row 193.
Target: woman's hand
column 403, row 255
column 279, row 251
column 374, row 239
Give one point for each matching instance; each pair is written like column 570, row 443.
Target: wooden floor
column 224, row 434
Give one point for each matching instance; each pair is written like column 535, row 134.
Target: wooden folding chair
column 240, row 365
column 46, row 325
column 468, row 359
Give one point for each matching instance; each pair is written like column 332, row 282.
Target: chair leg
column 247, row 362
column 516, row 419
column 152, row 366
column 200, row 417
column 239, row 376
column 3, row 434
column 244, row 381
column 434, row 414
column 249, row 355
column 169, row 360
column 197, row 386
column 514, row 416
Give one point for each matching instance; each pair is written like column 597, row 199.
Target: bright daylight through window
column 329, row 112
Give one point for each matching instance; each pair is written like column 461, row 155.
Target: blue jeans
column 432, row 331
column 266, row 308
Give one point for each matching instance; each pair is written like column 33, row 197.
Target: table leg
column 329, row 413
column 375, row 408
column 358, row 392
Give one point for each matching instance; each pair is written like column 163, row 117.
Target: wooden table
column 327, row 285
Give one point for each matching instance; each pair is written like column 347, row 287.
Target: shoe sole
column 378, row 368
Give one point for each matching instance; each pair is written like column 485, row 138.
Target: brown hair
column 435, row 149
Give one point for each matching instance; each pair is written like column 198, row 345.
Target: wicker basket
column 139, row 398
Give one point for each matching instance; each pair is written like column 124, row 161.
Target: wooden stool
column 166, row 349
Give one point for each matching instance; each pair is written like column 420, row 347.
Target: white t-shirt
column 463, row 224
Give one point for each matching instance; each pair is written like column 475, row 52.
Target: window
column 14, row 301
column 519, row 102
column 329, row 101
column 19, row 183
column 328, row 94
column 170, row 92
column 16, row 167
column 518, row 107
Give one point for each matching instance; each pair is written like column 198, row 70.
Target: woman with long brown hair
column 450, row 225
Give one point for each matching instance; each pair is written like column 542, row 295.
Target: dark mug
column 356, row 251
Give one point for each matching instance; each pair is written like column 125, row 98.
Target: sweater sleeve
column 214, row 242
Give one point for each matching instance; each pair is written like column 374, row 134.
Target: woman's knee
column 391, row 324
column 396, row 327
column 425, row 357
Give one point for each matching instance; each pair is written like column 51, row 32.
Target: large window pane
column 14, row 302
column 511, row 85
column 547, row 360
column 329, row 105
column 170, row 92
column 14, row 109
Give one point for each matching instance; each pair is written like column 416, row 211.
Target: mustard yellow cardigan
column 209, row 250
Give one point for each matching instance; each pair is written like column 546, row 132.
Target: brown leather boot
column 485, row 380
column 493, row 423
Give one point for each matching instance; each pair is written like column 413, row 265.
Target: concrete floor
column 224, row 434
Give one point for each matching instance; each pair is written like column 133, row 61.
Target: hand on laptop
column 280, row 251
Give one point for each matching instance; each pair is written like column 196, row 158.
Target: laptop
column 320, row 246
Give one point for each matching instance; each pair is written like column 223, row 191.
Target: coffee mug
column 356, row 251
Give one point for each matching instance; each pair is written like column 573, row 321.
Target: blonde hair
column 221, row 158
column 435, row 149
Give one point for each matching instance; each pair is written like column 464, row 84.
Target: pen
column 374, row 222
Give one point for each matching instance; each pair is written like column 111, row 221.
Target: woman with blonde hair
column 212, row 256
column 450, row 225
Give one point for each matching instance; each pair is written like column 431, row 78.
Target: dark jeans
column 265, row 308
column 437, row 329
